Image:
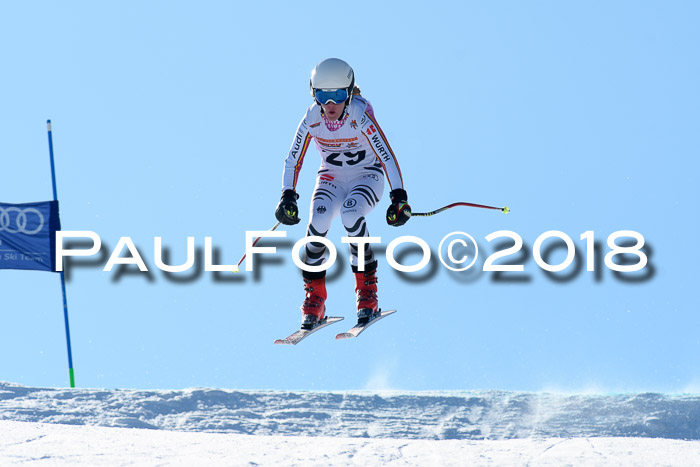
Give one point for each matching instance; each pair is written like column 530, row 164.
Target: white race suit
column 355, row 156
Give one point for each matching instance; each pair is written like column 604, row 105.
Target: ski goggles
column 336, row 96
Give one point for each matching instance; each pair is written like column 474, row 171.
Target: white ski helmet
column 332, row 73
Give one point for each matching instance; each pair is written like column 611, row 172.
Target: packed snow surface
column 345, row 428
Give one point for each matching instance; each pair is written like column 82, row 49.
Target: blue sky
column 173, row 120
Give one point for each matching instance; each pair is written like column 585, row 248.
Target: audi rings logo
column 28, row 221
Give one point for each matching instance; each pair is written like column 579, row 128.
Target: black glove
column 399, row 212
column 287, row 211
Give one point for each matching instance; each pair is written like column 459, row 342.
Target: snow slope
column 346, row 428
column 38, row 443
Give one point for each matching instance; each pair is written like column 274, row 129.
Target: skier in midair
column 355, row 155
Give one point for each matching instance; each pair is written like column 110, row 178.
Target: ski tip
column 343, row 335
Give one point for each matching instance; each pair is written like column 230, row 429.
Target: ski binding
column 301, row 334
column 364, row 324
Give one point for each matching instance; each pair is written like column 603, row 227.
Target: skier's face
column 333, row 111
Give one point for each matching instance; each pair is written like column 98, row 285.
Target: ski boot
column 366, row 290
column 313, row 309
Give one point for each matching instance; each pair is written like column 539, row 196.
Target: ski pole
column 255, row 243
column 504, row 209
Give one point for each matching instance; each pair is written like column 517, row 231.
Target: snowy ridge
column 464, row 415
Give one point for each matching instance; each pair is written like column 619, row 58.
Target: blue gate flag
column 28, row 235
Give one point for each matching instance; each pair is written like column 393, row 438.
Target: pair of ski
column 301, row 334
